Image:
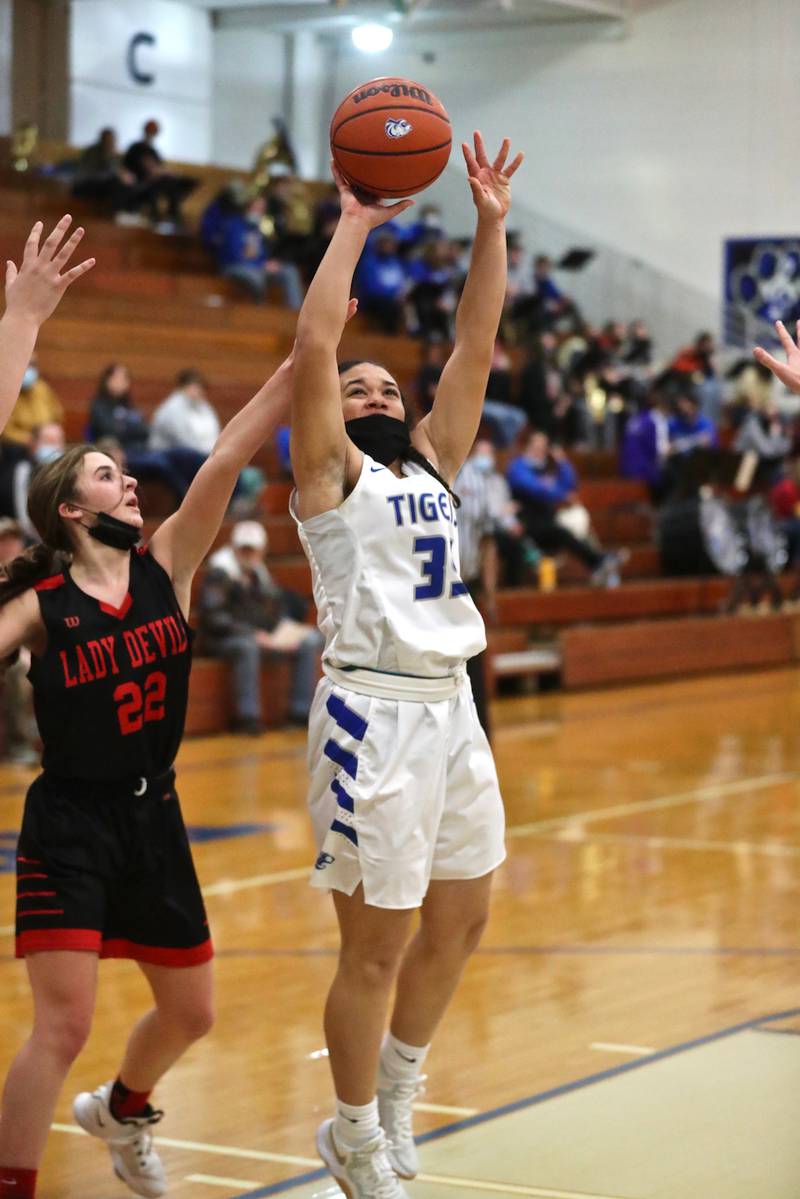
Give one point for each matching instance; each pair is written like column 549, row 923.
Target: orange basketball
column 391, row 137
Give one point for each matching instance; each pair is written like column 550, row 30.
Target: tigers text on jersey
column 110, row 689
column 384, row 566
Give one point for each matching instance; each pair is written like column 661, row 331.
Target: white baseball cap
column 249, row 534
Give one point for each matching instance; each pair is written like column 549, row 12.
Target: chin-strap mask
column 384, row 438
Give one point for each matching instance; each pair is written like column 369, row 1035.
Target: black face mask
column 384, row 438
column 112, row 532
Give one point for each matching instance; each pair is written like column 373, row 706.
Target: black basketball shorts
column 108, row 871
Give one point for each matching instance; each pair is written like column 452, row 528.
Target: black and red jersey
column 111, row 688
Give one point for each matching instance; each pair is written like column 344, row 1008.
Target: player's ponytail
column 412, row 454
column 51, row 485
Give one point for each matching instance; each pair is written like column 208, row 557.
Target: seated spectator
column 517, row 552
column 245, row 614
column 326, row 217
column 228, row 202
column 544, row 304
column 518, row 284
column 540, row 383
column 160, row 191
column 645, row 448
column 433, row 355
column 48, row 442
column 21, row 736
column 544, row 482
column 288, row 207
column 688, row 429
column 185, row 417
column 381, row 283
column 100, row 176
column 637, row 349
column 762, row 432
column 499, row 384
column 784, row 499
column 245, row 255
column 696, row 363
column 433, row 294
column 113, row 414
column 429, row 226
column 37, row 405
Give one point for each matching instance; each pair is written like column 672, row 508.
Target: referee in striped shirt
column 478, row 554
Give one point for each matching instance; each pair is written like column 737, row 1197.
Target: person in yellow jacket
column 37, row 405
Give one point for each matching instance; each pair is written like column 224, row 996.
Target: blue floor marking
column 517, row 1105
column 199, row 833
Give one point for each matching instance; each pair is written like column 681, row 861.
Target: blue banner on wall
column 761, row 286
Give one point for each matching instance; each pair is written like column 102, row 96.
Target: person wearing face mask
column 404, row 797
column 104, row 866
column 37, row 405
column 245, row 255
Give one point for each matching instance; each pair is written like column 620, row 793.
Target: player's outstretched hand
column 490, row 181
column 34, row 290
column 367, row 208
column 789, row 371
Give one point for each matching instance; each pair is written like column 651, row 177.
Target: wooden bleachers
column 154, row 303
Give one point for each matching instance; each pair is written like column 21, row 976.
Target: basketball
column 391, row 137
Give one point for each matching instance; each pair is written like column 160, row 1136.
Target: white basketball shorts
column 402, row 792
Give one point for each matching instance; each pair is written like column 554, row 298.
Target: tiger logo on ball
column 398, row 127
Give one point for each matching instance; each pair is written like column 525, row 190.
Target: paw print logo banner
column 762, row 285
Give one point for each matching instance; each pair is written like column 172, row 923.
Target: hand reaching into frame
column 789, row 371
column 34, row 290
column 490, row 181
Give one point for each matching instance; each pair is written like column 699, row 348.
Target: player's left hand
column 788, row 372
column 34, row 290
column 490, row 181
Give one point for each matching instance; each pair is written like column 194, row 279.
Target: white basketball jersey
column 384, row 566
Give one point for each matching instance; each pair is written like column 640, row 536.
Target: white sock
column 401, row 1061
column 355, row 1126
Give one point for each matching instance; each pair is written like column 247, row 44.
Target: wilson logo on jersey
column 72, row 622
column 397, row 128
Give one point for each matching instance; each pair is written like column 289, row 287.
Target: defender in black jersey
column 104, row 866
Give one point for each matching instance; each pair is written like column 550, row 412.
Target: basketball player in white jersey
column 404, row 795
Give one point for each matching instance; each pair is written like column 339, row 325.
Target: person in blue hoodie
column 382, row 283
column 543, row 481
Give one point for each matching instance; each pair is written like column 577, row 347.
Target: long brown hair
column 52, row 484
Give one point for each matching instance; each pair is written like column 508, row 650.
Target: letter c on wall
column 139, row 39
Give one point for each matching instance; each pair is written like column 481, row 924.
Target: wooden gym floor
column 618, row 1036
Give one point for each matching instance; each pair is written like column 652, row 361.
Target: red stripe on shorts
column 157, row 955
column 41, row 940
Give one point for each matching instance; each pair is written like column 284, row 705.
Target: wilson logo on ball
column 397, row 128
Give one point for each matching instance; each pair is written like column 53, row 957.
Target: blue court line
column 554, row 1093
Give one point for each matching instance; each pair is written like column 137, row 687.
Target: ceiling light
column 372, row 39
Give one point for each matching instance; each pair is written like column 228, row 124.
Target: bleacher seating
column 154, row 303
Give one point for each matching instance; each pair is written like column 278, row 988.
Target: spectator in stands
column 696, row 363
column 544, row 481
column 245, row 614
column 478, row 563
column 48, row 442
column 689, row 430
column 433, row 355
column 540, row 383
column 645, row 447
column 517, row 552
column 326, row 217
column 544, row 304
column 762, row 432
column 429, row 226
column 784, row 498
column 637, row 349
column 519, row 273
column 185, row 417
column 160, row 191
column 19, row 724
column 289, row 209
column 100, row 176
column 113, row 414
column 433, row 294
column 381, row 283
column 37, row 405
column 228, row 202
column 245, row 255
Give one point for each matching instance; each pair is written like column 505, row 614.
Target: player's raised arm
column 319, row 441
column 789, row 371
column 32, row 293
column 448, row 432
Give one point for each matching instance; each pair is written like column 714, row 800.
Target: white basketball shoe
column 364, row 1173
column 129, row 1141
column 395, row 1099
